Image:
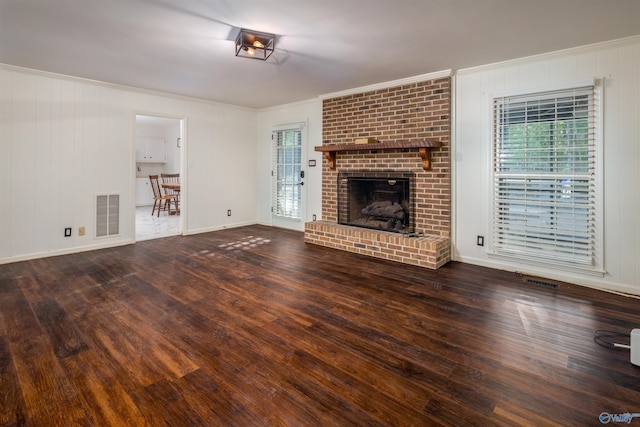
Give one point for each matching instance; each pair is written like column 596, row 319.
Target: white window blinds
column 544, row 175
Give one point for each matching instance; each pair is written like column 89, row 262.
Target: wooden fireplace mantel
column 424, row 149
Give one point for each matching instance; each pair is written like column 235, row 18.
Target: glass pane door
column 288, row 174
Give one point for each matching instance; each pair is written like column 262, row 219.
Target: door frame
column 182, row 145
column 283, row 222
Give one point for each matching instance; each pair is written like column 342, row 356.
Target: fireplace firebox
column 377, row 200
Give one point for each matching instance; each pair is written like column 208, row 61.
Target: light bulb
column 258, row 44
column 251, row 51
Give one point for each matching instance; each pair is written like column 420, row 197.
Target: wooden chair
column 171, row 178
column 161, row 201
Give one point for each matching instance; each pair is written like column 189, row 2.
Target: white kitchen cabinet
column 151, row 150
column 144, row 193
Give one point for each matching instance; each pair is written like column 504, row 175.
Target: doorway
column 158, row 142
column 288, row 197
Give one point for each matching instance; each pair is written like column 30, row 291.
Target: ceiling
column 184, row 47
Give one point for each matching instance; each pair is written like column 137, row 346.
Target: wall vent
column 107, row 215
column 540, row 282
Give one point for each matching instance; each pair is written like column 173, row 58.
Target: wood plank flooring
column 252, row 327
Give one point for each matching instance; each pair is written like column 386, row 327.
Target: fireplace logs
column 391, row 214
column 385, row 209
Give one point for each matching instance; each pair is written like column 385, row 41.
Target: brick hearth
column 423, row 251
column 412, row 112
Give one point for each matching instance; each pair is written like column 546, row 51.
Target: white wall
column 65, row 140
column 619, row 63
column 311, row 112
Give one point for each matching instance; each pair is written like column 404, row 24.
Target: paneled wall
column 619, row 64
column 65, row 140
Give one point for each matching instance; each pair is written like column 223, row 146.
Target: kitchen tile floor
column 154, row 227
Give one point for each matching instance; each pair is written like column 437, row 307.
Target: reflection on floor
column 154, row 227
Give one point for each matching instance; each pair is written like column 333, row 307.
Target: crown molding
column 116, row 86
column 392, row 83
column 558, row 53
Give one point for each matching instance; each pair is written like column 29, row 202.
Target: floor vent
column 540, row 282
column 107, row 215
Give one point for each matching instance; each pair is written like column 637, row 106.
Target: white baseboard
column 218, row 227
column 67, row 251
column 587, row 281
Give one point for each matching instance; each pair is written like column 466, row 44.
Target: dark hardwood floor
column 252, row 327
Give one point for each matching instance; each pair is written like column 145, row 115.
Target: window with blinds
column 544, row 176
column 287, row 191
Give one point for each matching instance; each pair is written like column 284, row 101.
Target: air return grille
column 107, row 215
column 541, row 282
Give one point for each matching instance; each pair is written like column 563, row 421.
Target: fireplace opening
column 377, row 200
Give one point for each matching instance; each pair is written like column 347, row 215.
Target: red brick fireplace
column 412, row 123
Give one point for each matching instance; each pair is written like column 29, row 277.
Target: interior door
column 289, row 191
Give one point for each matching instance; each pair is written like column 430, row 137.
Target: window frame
column 493, row 249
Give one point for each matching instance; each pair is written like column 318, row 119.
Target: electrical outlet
column 480, row 241
column 228, row 212
column 81, row 231
column 314, row 217
column 67, row 232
